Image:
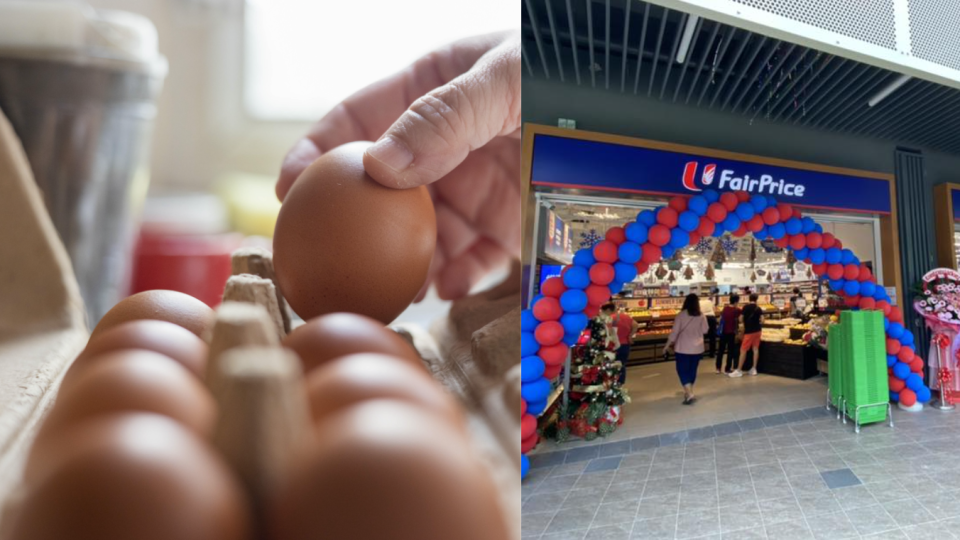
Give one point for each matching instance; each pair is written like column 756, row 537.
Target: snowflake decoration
column 590, row 239
column 729, row 244
column 704, row 246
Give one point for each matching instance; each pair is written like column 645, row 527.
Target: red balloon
column 523, row 407
column 865, row 273
column 893, row 346
column 797, row 214
column 668, row 217
column 742, row 195
column 554, row 286
column 835, row 271
column 908, row 397
column 851, row 272
column 741, row 230
column 678, row 203
column 706, row 227
column 547, row 309
column 782, row 241
column 642, row 267
column 659, row 235
column 895, row 315
column 551, row 372
column 905, row 355
column 651, row 253
column 798, row 241
column 529, row 444
column 884, row 306
column 896, row 384
column 729, row 201
column 605, row 251
column 828, row 241
column 597, row 295
column 867, row 302
column 820, row 269
column 591, row 311
column 814, row 240
column 852, row 301
column 755, row 224
column 553, row 355
column 602, row 273
column 548, row 333
column 771, row 215
column 717, row 212
column 917, row 365
column 786, row 211
column 528, row 426
column 616, row 235
column 838, row 244
column 694, row 238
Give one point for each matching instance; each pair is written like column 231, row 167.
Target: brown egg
column 331, row 336
column 345, row 243
column 387, row 470
column 171, row 306
column 162, row 337
column 352, row 379
column 133, row 476
column 133, row 380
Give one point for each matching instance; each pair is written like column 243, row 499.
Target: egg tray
column 42, row 329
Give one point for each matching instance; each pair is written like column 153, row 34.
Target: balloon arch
column 561, row 312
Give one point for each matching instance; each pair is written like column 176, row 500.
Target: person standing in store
column 729, row 322
column 752, row 329
column 686, row 339
column 798, row 304
column 709, row 310
column 626, row 329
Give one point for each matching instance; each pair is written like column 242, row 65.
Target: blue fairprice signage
column 574, row 163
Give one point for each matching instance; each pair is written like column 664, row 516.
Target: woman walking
column 686, row 339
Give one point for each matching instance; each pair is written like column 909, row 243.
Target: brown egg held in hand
column 387, row 470
column 162, row 337
column 352, row 379
column 343, row 242
column 331, row 336
column 133, row 380
column 131, row 477
column 171, row 306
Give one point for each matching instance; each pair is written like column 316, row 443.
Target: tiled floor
column 809, row 478
column 656, row 395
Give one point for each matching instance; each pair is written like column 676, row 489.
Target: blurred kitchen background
column 239, row 82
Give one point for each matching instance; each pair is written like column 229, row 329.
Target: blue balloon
column 636, row 232
column 761, row 234
column 689, row 221
column 923, row 394
column 647, row 217
column 571, row 339
column 679, row 238
column 528, row 344
column 808, row 225
column 759, row 203
column 537, row 390
column 771, row 201
column 746, row 211
column 531, row 368
column 892, row 360
column 886, row 324
column 901, row 370
column 852, row 288
column 881, row 294
column 895, row 331
column 818, row 228
column 624, row 273
column 667, row 251
column 629, row 252
column 777, row 231
column 868, row 288
column 914, row 382
column 528, row 323
column 536, row 407
column 894, row 396
column 718, row 230
column 711, row 195
column 802, row 253
column 907, row 338
column 576, row 277
column 732, row 222
column 837, row 284
column 615, row 287
column 833, row 255
column 536, row 299
column 818, row 255
column 698, row 205
column 524, row 464
column 793, row 226
column 584, row 257
column 846, row 256
column 573, row 323
column 573, row 301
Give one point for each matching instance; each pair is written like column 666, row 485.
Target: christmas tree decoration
column 709, row 274
column 688, row 273
column 719, row 256
column 753, row 277
column 661, row 271
column 753, row 253
column 672, row 277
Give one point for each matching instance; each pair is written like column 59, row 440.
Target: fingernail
column 391, row 153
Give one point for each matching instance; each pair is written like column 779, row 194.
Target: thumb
column 439, row 130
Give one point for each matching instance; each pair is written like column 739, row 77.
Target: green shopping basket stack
column 857, row 347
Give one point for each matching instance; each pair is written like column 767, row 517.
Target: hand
column 450, row 121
